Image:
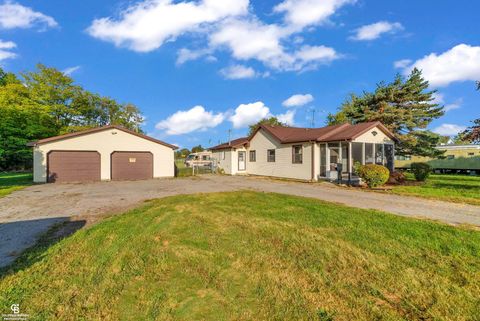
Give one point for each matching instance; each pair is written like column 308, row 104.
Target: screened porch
column 336, row 155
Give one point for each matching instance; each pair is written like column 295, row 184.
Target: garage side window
column 297, row 154
column 253, row 156
column 223, row 155
column 271, row 155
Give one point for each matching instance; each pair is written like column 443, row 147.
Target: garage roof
column 96, row 130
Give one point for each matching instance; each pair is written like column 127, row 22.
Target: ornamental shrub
column 373, row 175
column 421, row 171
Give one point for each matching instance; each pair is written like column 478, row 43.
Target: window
column 223, row 155
column 205, row 157
column 271, row 155
column 471, row 154
column 297, row 154
column 450, row 156
column 253, row 156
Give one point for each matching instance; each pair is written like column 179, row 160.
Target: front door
column 241, row 161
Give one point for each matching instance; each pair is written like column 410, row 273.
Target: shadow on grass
column 31, row 247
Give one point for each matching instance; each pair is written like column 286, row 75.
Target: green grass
column 453, row 188
column 251, row 256
column 10, row 182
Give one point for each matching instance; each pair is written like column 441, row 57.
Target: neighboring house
column 455, row 157
column 104, row 153
column 307, row 153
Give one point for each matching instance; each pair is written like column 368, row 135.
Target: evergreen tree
column 404, row 106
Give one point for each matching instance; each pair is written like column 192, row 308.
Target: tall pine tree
column 404, row 106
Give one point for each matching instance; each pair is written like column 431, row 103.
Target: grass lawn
column 251, row 256
column 453, row 188
column 10, row 182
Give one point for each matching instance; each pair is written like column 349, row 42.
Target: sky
column 201, row 71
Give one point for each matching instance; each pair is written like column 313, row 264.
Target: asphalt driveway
column 26, row 214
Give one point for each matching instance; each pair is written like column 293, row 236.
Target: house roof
column 343, row 132
column 96, row 130
column 239, row 142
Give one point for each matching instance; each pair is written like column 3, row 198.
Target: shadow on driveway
column 36, row 236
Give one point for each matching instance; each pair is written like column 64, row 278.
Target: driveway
column 26, row 214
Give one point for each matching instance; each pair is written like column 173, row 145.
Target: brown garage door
column 73, row 166
column 132, row 165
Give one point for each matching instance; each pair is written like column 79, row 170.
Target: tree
column 405, row 106
column 182, row 153
column 45, row 103
column 472, row 133
column 197, row 149
column 272, row 121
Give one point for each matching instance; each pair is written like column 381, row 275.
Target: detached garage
column 105, row 153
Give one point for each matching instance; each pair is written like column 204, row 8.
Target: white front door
column 241, row 161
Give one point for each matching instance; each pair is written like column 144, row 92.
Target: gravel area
column 26, row 214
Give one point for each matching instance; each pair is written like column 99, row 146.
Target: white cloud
column 298, row 100
column 5, row 50
column 455, row 105
column 227, row 24
column 252, row 39
column 184, row 55
column 238, row 72
column 248, row 114
column 147, row 25
column 14, row 15
column 449, row 129
column 70, row 70
column 375, row 30
column 187, row 121
column 302, row 13
column 403, row 63
column 461, row 63
column 287, row 118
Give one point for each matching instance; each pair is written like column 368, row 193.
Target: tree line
column 46, row 102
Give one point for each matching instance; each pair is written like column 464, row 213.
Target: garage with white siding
column 101, row 154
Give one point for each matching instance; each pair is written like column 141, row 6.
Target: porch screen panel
column 345, row 153
column 389, row 156
column 379, row 154
column 368, row 153
column 323, row 160
column 357, row 153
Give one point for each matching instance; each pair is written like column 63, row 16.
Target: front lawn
column 10, row 182
column 251, row 256
column 453, row 188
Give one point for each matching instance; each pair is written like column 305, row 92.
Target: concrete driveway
column 26, row 214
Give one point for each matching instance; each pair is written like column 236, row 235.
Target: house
column 104, row 153
column 455, row 157
column 307, row 153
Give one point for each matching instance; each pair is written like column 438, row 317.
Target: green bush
column 421, row 171
column 374, row 175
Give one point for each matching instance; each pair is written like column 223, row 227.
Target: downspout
column 313, row 161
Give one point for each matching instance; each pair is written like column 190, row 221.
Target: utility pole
column 313, row 118
column 229, row 136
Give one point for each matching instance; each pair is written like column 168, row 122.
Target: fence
column 195, row 168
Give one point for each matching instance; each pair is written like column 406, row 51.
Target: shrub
column 421, row 171
column 374, row 175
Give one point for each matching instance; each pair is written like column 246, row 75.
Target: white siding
column 225, row 164
column 283, row 166
column 368, row 137
column 106, row 142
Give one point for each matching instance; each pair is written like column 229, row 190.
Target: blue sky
column 199, row 68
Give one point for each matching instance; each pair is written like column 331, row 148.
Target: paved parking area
column 26, row 214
